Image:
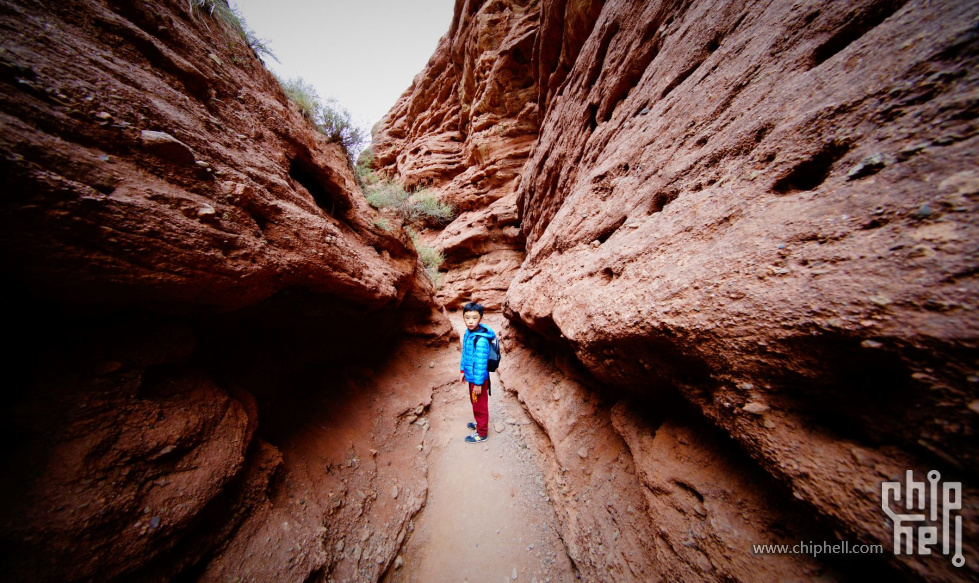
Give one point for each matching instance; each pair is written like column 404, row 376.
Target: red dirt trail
column 487, row 516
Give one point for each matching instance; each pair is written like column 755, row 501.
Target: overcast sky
column 362, row 52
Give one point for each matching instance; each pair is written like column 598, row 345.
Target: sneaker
column 471, row 425
column 475, row 438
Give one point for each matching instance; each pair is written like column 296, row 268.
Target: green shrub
column 233, row 21
column 389, row 195
column 335, row 123
column 330, row 118
column 430, row 256
column 431, row 259
column 429, row 208
column 259, row 45
column 215, row 9
column 363, row 169
column 420, row 207
column 303, row 95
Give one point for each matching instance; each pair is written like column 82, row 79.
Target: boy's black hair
column 473, row 307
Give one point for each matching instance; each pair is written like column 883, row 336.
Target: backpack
column 493, row 359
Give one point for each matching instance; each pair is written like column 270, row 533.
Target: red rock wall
column 760, row 212
column 217, row 217
column 768, row 209
column 188, row 267
column 464, row 129
column 468, row 120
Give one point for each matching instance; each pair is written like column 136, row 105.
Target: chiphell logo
column 923, row 526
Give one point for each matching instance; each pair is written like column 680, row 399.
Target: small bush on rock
column 431, row 259
column 364, row 171
column 335, row 123
column 233, row 21
column 389, row 195
column 431, row 209
column 330, row 118
column 420, row 207
column 430, row 256
column 303, row 95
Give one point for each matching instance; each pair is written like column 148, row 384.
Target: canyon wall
column 734, row 241
column 199, row 307
column 748, row 295
column 464, row 128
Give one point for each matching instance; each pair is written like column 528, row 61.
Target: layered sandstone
column 483, row 248
column 464, row 129
column 468, row 120
column 770, row 211
column 745, row 239
column 755, row 217
column 196, row 267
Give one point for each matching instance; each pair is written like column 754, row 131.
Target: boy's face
column 472, row 320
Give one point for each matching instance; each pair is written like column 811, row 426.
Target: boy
column 472, row 369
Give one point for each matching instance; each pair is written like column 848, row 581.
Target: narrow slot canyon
column 729, row 248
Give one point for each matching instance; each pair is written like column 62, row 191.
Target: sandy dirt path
column 487, row 517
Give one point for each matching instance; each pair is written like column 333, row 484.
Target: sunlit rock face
column 193, row 262
column 762, row 215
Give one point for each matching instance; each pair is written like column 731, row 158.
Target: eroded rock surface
column 743, row 237
column 203, row 293
column 464, row 129
column 469, row 119
column 761, row 212
column 484, row 249
column 645, row 488
column 100, row 124
column 704, row 214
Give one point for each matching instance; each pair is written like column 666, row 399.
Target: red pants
column 481, row 408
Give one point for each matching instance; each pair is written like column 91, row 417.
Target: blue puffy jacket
column 475, row 352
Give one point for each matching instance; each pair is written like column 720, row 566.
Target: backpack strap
column 489, row 386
